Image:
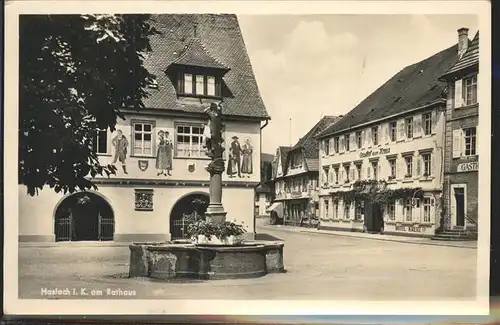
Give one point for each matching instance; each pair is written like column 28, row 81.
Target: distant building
column 461, row 145
column 382, row 163
column 264, row 192
column 296, row 181
column 279, row 163
column 158, row 151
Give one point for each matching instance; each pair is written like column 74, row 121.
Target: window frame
column 391, row 211
column 190, row 135
column 392, row 174
column 425, row 163
column 195, row 92
column 424, row 207
column 427, row 117
column 374, row 165
column 375, row 137
column 473, row 142
column 393, row 131
column 409, row 166
column 409, row 128
column 359, row 139
column 472, row 87
column 133, row 139
column 408, row 207
column 95, row 140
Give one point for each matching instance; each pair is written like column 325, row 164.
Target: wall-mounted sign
column 372, row 153
column 417, row 229
column 468, row 167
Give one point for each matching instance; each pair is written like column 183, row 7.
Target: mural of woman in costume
column 120, row 143
column 164, row 154
column 247, row 163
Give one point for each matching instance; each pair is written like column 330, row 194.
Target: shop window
column 427, row 210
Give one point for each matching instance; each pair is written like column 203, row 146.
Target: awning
column 276, row 207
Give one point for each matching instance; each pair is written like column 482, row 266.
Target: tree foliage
column 76, row 72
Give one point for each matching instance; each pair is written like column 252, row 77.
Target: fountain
column 216, row 250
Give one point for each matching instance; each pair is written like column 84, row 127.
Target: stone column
column 215, row 211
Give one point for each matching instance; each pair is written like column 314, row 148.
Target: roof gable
column 218, row 43
column 308, row 144
column 469, row 59
column 415, row 86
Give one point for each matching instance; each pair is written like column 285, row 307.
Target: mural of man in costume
column 164, row 154
column 234, row 162
column 247, row 163
column 120, row 143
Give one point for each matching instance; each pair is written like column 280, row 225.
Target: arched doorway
column 187, row 209
column 84, row 217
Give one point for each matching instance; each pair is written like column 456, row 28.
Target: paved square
column 318, row 267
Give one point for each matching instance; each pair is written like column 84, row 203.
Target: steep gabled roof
column 218, row 42
column 308, row 143
column 415, row 86
column 282, row 154
column 469, row 59
column 195, row 54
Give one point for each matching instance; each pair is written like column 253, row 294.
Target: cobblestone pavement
column 318, row 267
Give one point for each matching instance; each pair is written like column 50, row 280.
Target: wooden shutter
column 369, row 139
column 457, row 143
column 417, row 125
column 401, row 129
column 433, row 170
column 416, row 166
column 434, row 120
column 353, row 141
column 399, row 168
column 386, row 136
column 459, row 100
column 380, row 134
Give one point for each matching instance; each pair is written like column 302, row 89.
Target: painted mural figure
column 234, row 161
column 164, row 154
column 120, row 143
column 247, row 163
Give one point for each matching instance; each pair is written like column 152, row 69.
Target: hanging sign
column 468, row 167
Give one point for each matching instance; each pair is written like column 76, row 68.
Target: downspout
column 260, row 157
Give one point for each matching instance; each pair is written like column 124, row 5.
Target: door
column 460, row 206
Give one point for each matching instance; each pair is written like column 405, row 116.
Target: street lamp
column 413, row 200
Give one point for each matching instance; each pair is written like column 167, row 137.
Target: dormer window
column 199, row 85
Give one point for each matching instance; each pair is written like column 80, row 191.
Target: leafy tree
column 76, row 72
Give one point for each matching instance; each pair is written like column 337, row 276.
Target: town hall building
column 158, row 152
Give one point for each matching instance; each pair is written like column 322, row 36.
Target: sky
column 314, row 65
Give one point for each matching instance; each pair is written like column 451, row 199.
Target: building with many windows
column 264, row 192
column 381, row 164
column 297, row 190
column 159, row 151
column 461, row 136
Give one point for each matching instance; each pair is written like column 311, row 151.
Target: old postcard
column 219, row 157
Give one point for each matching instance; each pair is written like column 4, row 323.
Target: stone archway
column 186, row 206
column 84, row 217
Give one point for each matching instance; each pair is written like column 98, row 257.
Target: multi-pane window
column 143, row 139
column 426, row 158
column 199, row 85
column 391, row 210
column 408, row 210
column 347, row 143
column 427, row 209
column 347, row 169
column 100, row 142
column 358, row 171
column 327, row 147
column 392, row 168
column 189, row 141
column 393, row 131
column 346, row 210
column 375, row 170
column 359, row 140
column 375, row 135
column 409, row 127
column 336, row 144
column 409, row 166
column 470, row 141
column 358, row 210
column 470, row 90
column 427, row 123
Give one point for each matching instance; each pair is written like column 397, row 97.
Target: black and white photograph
column 282, row 158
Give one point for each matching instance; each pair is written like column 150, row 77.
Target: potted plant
column 206, row 232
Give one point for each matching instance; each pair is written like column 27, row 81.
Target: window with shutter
column 457, row 143
column 385, row 127
column 331, row 145
column 401, row 130
column 417, row 122
column 459, row 100
column 416, row 166
column 369, row 139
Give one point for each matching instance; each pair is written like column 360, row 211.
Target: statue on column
column 212, row 136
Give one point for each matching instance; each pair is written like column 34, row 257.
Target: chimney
column 463, row 41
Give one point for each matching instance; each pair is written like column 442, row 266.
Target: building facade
column 297, row 189
column 461, row 165
column 159, row 151
column 382, row 163
column 264, row 192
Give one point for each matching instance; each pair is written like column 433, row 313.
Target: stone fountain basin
column 250, row 259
